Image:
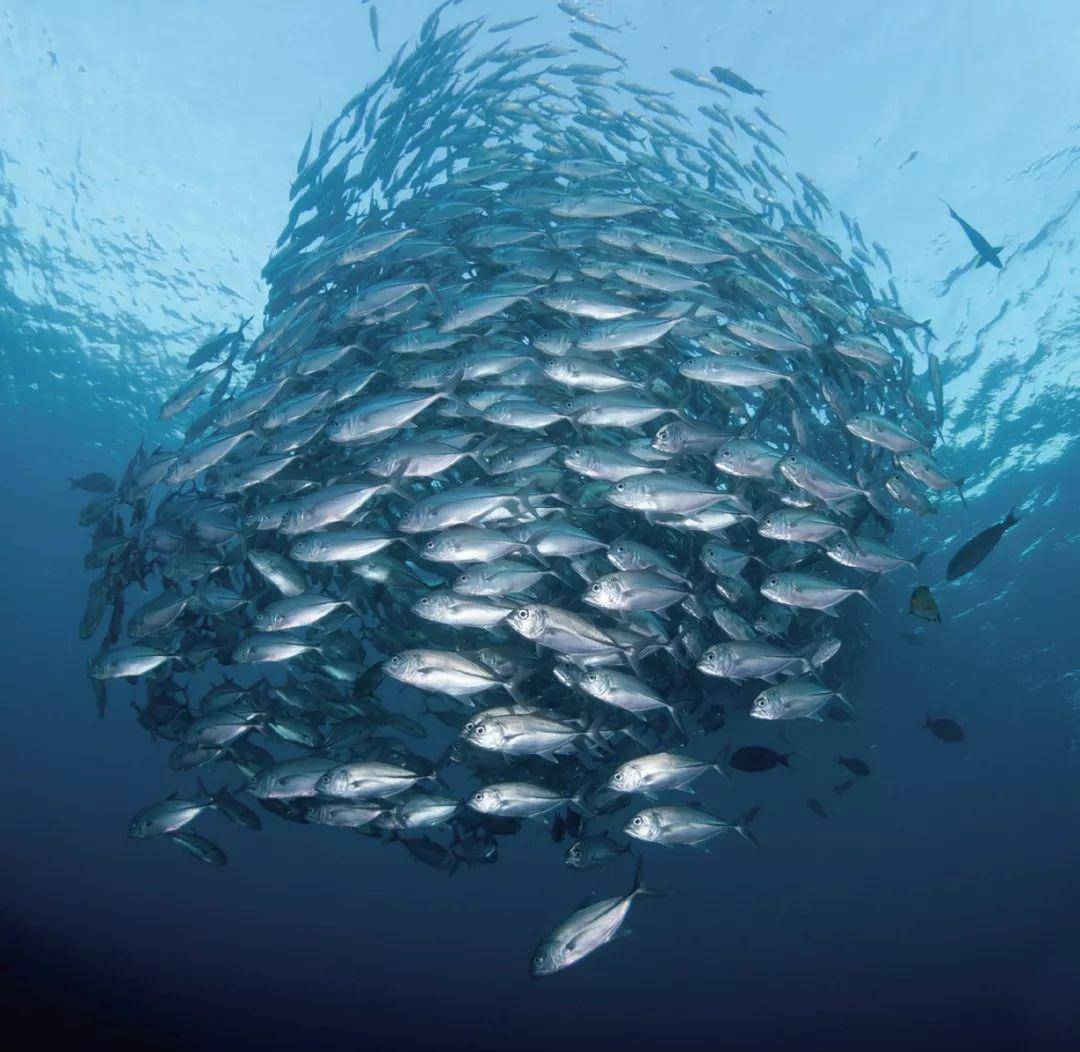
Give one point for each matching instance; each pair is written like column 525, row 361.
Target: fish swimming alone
column 969, row 555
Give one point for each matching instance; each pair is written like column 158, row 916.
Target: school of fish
column 567, row 436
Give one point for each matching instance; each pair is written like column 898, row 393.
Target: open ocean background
column 146, row 151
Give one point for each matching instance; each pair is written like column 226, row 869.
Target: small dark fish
column 816, row 806
column 226, row 804
column 712, row 719
column 757, row 758
column 924, row 605
column 95, row 482
column 945, row 730
column 987, row 253
column 429, row 851
column 843, row 787
column 855, row 765
column 558, row 829
column 978, row 548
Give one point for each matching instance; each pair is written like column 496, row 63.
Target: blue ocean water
column 147, row 153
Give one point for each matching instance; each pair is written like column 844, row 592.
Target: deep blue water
column 936, row 907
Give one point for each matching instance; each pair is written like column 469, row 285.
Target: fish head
column 431, row 606
column 669, row 438
column 484, row 800
column 770, row 527
column 527, row 621
column 308, row 548
column 767, row 706
column 774, row 588
column 645, row 825
column 547, row 960
column 626, row 779
column 415, row 520
column 294, row 521
column 401, row 666
column 334, row 782
column 469, row 582
column 577, row 855
column 139, row 827
column 601, row 593
column 628, row 493
column 861, row 426
column 596, row 683
column 485, row 734
column 717, row 660
column 381, row 464
column 791, row 467
column 269, row 620
column 581, row 459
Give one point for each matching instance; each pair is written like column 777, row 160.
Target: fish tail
column 866, row 595
column 742, row 827
column 640, row 888
column 720, row 760
column 1011, row 519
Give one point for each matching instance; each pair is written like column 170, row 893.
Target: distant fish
column 816, row 806
column 987, row 253
column 978, row 548
column 843, row 787
column 95, row 482
column 732, row 79
column 855, row 765
column 945, row 730
column 373, row 21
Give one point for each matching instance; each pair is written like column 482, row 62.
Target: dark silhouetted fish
column 987, row 253
column 752, row 758
column 978, row 548
column 944, row 729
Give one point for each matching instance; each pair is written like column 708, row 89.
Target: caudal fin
column 639, row 887
column 742, row 827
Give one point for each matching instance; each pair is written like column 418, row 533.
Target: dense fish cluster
column 567, row 433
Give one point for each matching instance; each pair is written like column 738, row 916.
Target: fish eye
column 621, row 549
column 425, row 601
column 620, row 486
column 481, row 731
column 725, row 453
column 463, row 578
column 637, row 820
column 523, row 614
column 774, row 581
column 430, row 546
column 377, row 459
column 768, row 520
column 595, row 588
